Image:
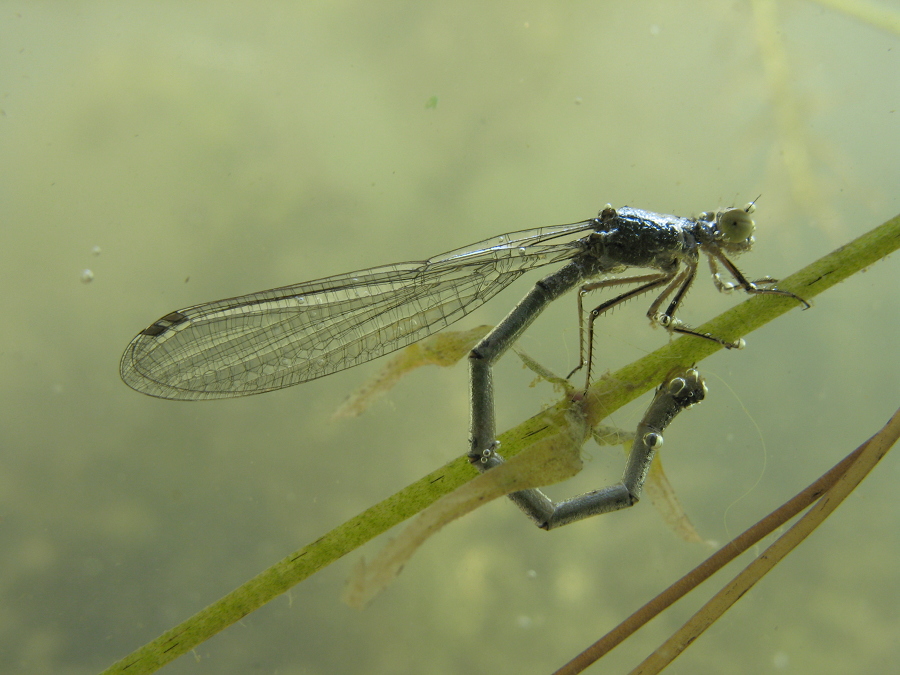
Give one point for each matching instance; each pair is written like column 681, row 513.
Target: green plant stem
column 604, row 397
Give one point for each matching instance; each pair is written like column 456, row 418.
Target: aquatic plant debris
column 441, row 349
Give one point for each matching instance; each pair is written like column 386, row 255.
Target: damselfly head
column 735, row 225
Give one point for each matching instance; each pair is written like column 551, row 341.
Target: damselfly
column 278, row 338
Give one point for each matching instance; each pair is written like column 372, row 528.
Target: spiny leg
column 648, row 281
column 728, row 286
column 678, row 393
column 751, row 287
column 682, row 281
column 667, row 319
column 587, row 288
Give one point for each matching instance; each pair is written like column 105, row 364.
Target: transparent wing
column 274, row 339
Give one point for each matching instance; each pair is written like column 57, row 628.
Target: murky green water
column 211, row 150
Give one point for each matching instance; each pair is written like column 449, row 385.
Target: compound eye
column 736, row 225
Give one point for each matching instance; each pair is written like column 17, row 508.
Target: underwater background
column 158, row 155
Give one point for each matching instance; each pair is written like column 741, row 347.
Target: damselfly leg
column 679, row 392
column 678, row 280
